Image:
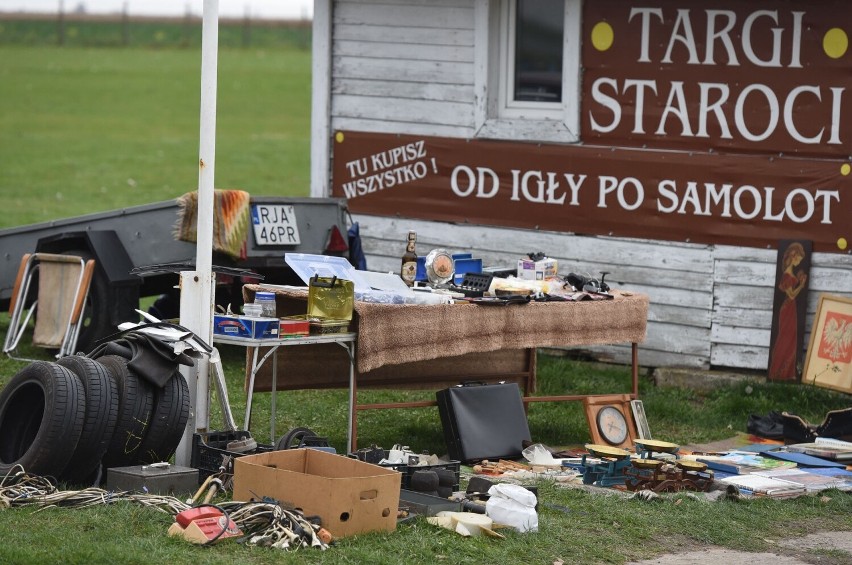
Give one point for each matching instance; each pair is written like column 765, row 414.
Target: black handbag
column 483, row 421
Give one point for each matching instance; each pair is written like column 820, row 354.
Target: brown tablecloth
column 391, row 334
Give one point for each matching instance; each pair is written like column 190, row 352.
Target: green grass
column 85, row 130
column 76, row 124
column 595, row 529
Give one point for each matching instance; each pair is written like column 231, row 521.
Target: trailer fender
column 105, row 247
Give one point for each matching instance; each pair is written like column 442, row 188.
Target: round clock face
column 612, row 425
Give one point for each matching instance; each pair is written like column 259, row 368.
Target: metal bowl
column 657, row 445
column 607, row 451
column 689, row 465
column 646, row 463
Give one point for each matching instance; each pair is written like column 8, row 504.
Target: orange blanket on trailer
column 230, row 220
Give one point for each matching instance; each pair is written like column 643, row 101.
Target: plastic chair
column 63, row 285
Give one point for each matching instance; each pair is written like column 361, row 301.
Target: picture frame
column 828, row 363
column 643, row 430
column 610, row 420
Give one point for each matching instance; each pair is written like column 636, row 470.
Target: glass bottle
column 408, row 270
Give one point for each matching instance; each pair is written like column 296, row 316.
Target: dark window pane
column 538, row 50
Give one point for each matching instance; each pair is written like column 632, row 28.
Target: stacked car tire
column 67, row 419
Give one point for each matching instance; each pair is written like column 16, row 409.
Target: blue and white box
column 243, row 326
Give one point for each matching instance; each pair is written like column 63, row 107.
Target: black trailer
column 124, row 242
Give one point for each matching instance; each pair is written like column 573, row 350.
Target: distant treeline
column 118, row 30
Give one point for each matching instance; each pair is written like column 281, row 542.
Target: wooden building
column 672, row 144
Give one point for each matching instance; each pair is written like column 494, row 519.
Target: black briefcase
column 483, row 421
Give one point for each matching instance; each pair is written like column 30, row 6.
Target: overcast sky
column 290, row 9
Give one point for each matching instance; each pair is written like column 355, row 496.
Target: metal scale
column 665, row 474
column 608, row 468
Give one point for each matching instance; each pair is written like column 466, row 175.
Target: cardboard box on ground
column 350, row 496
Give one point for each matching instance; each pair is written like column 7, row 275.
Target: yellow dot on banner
column 338, row 137
column 845, row 168
column 602, row 36
column 841, row 243
column 835, row 42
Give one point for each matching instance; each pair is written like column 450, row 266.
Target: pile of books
column 776, row 474
column 787, row 483
column 758, row 485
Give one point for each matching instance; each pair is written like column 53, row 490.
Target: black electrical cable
column 226, row 521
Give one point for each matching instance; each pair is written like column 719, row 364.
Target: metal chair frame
column 19, row 321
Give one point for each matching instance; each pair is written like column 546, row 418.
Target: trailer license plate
column 275, row 224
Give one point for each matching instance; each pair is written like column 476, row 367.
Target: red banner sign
column 770, row 77
column 708, row 198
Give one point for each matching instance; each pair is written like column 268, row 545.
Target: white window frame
column 495, row 115
column 508, row 107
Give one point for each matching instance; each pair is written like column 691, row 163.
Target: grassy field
column 85, row 129
column 584, row 529
column 111, row 30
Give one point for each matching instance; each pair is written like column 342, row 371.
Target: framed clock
column 611, row 420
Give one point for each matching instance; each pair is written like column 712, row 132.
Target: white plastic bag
column 537, row 454
column 513, row 506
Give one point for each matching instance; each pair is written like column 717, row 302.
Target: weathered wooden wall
column 403, row 66
column 743, row 291
column 408, row 66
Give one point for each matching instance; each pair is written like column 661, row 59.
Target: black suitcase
column 483, row 421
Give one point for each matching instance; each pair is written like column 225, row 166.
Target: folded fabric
column 115, row 347
column 230, row 220
column 356, row 249
column 148, row 357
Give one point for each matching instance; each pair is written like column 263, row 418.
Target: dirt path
column 824, row 548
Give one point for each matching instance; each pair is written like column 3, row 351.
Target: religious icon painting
column 787, row 338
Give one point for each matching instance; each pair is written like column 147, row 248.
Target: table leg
column 251, row 388
column 635, row 358
column 352, row 435
column 272, row 400
column 218, row 376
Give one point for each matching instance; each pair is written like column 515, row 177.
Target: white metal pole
column 321, row 98
column 196, row 305
column 207, row 147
